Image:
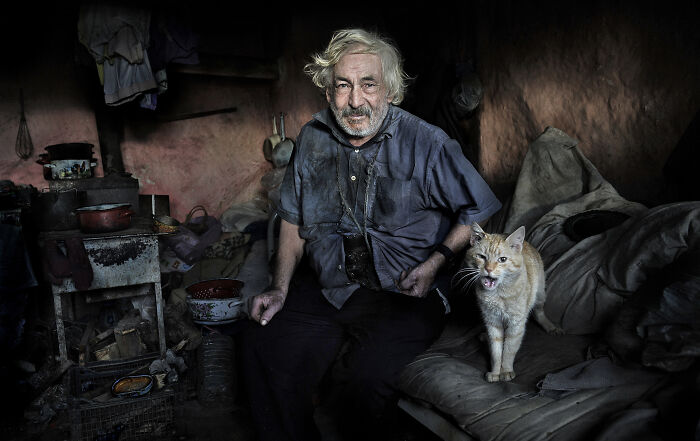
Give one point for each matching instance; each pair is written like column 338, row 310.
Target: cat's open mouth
column 488, row 282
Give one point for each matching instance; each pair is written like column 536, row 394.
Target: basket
column 147, row 417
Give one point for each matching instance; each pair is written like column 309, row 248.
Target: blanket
column 587, row 281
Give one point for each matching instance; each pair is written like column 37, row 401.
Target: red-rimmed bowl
column 215, row 301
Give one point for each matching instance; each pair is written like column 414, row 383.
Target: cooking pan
column 71, row 150
column 44, row 161
column 69, row 169
column 283, row 150
column 55, row 210
column 104, row 218
column 271, row 141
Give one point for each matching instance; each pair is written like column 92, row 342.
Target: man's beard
column 375, row 118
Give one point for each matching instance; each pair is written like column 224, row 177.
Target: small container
column 132, row 386
column 165, row 224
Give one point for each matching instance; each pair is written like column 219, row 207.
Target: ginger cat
column 509, row 283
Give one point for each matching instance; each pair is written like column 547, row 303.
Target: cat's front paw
column 506, row 376
column 492, row 377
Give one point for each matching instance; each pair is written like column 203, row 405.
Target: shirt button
column 340, row 267
column 357, row 150
column 352, row 178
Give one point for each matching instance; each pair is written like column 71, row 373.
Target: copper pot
column 104, row 218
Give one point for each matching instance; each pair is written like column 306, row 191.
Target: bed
column 626, row 290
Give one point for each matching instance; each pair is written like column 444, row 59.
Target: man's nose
column 355, row 100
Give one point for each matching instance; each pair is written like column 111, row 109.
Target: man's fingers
column 270, row 307
column 259, row 306
column 264, row 306
column 405, row 282
column 267, row 314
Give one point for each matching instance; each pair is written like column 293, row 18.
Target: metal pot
column 54, row 210
column 71, row 168
column 43, row 161
column 104, row 218
column 73, row 150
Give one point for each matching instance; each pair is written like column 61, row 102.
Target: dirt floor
column 194, row 422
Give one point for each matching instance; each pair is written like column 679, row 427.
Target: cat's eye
column 481, row 256
column 502, row 259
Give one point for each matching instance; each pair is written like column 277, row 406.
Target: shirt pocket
column 393, row 205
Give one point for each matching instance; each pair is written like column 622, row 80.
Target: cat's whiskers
column 467, row 269
column 471, row 274
column 471, row 282
column 466, row 273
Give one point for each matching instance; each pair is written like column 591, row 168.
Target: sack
column 194, row 236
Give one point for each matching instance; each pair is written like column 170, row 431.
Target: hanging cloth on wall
column 116, row 37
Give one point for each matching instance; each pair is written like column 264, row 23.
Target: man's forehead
column 368, row 65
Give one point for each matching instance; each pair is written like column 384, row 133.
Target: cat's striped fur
column 508, row 276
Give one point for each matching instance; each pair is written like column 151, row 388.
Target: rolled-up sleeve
column 289, row 207
column 454, row 184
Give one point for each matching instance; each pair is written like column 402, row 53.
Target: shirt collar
column 386, row 130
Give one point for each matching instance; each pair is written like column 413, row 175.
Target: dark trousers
column 283, row 363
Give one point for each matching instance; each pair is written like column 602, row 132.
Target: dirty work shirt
column 421, row 185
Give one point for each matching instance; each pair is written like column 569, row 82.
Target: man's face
column 358, row 96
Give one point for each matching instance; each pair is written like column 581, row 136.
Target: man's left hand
column 417, row 282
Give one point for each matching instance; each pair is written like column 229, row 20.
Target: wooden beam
column 228, row 66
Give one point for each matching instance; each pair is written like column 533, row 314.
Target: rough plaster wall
column 294, row 94
column 218, row 161
column 214, row 161
column 56, row 108
column 623, row 80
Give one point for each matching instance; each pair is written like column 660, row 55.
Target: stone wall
column 621, row 77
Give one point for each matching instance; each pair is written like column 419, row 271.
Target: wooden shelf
column 231, row 66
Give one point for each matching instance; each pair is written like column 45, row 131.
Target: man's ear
column 477, row 234
column 328, row 95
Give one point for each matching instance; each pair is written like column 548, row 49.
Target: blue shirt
column 421, row 185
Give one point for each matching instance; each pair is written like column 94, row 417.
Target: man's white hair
column 360, row 41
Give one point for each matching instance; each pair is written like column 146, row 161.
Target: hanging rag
column 116, row 37
column 74, row 264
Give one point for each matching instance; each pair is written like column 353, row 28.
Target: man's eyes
column 367, row 86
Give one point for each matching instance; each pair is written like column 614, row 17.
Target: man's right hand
column 264, row 306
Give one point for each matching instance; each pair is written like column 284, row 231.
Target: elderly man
column 377, row 201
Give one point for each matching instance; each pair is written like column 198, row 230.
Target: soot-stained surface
column 118, row 254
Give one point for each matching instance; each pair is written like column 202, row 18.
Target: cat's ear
column 477, row 234
column 516, row 239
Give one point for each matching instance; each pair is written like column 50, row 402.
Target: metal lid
column 102, row 207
